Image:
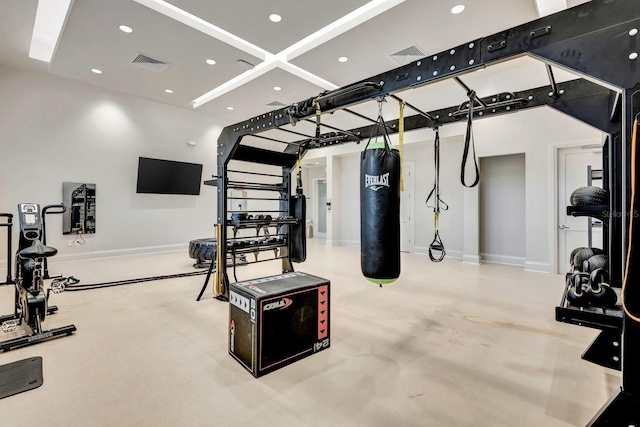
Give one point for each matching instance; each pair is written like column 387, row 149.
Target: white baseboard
column 350, row 243
column 537, row 267
column 502, row 259
column 471, row 259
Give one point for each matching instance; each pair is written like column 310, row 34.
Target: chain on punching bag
column 380, row 207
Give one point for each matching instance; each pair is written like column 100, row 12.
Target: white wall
column 451, row 227
column 53, row 130
column 534, row 132
column 502, row 209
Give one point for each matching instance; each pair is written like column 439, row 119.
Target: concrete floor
column 449, row 344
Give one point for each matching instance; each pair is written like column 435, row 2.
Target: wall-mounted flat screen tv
column 158, row 176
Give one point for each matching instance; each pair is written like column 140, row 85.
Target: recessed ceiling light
column 168, row 90
column 277, row 88
column 210, row 62
column 274, row 17
column 229, row 108
column 457, row 9
column 633, row 56
column 96, row 71
column 343, row 59
column 125, row 29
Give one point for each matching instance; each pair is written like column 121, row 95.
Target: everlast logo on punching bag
column 376, row 182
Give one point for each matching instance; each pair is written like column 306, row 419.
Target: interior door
column 573, row 166
column 406, row 209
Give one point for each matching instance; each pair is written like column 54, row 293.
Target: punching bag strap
column 380, row 124
column 626, row 290
column 470, row 143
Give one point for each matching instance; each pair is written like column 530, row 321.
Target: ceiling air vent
column 275, row 104
column 149, row 63
column 408, row 55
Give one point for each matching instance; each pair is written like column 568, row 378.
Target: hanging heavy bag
column 298, row 232
column 380, row 210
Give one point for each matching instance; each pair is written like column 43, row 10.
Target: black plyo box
column 277, row 320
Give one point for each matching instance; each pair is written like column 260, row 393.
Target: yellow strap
column 634, row 142
column 217, row 278
column 401, row 140
column 435, row 221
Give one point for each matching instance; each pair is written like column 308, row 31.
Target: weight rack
column 234, row 222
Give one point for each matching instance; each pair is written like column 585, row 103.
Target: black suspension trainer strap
column 436, row 245
column 469, row 143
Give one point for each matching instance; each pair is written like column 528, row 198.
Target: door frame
column 554, row 151
column 315, row 201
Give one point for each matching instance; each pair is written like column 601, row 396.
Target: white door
column 406, row 209
column 321, row 191
column 573, row 165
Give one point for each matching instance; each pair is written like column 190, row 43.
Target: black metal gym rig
column 597, row 40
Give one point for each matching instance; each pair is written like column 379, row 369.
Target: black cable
column 235, row 261
column 72, row 288
column 470, row 143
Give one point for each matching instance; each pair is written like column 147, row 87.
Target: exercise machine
column 31, row 299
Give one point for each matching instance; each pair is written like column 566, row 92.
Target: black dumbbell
column 577, row 296
column 601, row 294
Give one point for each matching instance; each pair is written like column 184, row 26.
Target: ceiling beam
column 203, row 26
column 262, row 68
column 281, row 60
column 340, row 26
column 306, row 75
column 51, row 16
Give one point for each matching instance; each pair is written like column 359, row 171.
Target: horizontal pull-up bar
column 364, row 117
column 275, row 140
column 422, row 113
column 253, row 173
column 469, row 92
column 347, row 90
column 508, row 102
column 333, row 128
column 293, row 132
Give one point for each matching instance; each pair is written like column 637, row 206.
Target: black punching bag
column 298, row 210
column 380, row 213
